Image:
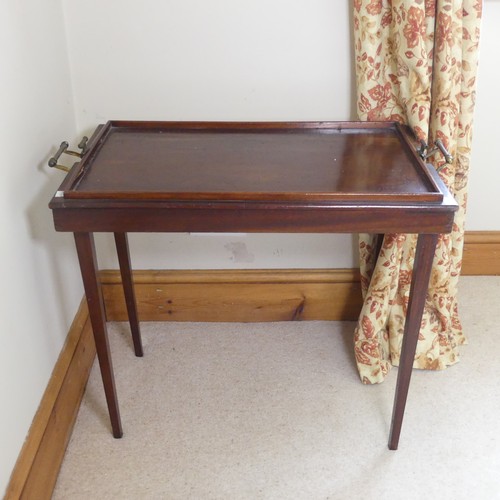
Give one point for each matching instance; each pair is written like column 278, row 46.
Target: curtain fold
column 416, row 63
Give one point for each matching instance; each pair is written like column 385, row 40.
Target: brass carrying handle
column 63, row 148
column 424, row 153
column 53, row 161
column 83, row 145
column 447, row 156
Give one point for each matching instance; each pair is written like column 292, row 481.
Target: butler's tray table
column 324, row 177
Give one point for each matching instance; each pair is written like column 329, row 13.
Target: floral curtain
column 416, row 63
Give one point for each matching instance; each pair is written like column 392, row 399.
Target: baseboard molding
column 481, row 253
column 237, row 295
column 35, row 473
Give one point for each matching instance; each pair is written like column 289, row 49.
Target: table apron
column 374, row 219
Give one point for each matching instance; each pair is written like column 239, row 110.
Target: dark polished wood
column 88, row 264
column 123, row 253
column 329, row 162
column 317, row 177
column 424, row 256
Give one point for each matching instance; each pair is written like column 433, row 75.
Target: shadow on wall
column 354, row 105
column 58, row 251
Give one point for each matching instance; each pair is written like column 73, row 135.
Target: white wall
column 483, row 212
column 39, row 284
column 217, row 60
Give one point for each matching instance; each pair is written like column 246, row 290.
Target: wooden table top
column 337, row 162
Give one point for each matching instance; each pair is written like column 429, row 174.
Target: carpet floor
column 277, row 411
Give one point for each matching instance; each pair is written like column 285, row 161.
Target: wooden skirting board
column 265, row 295
column 481, row 253
column 228, row 295
column 236, row 295
column 35, row 473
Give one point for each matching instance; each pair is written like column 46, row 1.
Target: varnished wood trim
column 481, row 253
column 237, row 295
column 38, row 464
column 251, row 276
column 482, row 237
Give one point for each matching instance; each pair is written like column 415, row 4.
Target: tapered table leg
column 426, row 246
column 128, row 289
column 88, row 265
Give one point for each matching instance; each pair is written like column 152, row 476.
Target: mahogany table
column 324, row 177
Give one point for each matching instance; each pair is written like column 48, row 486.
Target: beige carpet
column 277, row 411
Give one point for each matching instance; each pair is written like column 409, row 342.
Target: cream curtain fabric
column 403, row 75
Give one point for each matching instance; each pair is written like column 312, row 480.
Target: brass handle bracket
column 424, row 152
column 83, row 145
column 63, row 148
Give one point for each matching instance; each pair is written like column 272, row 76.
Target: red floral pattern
column 414, row 29
column 395, row 71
